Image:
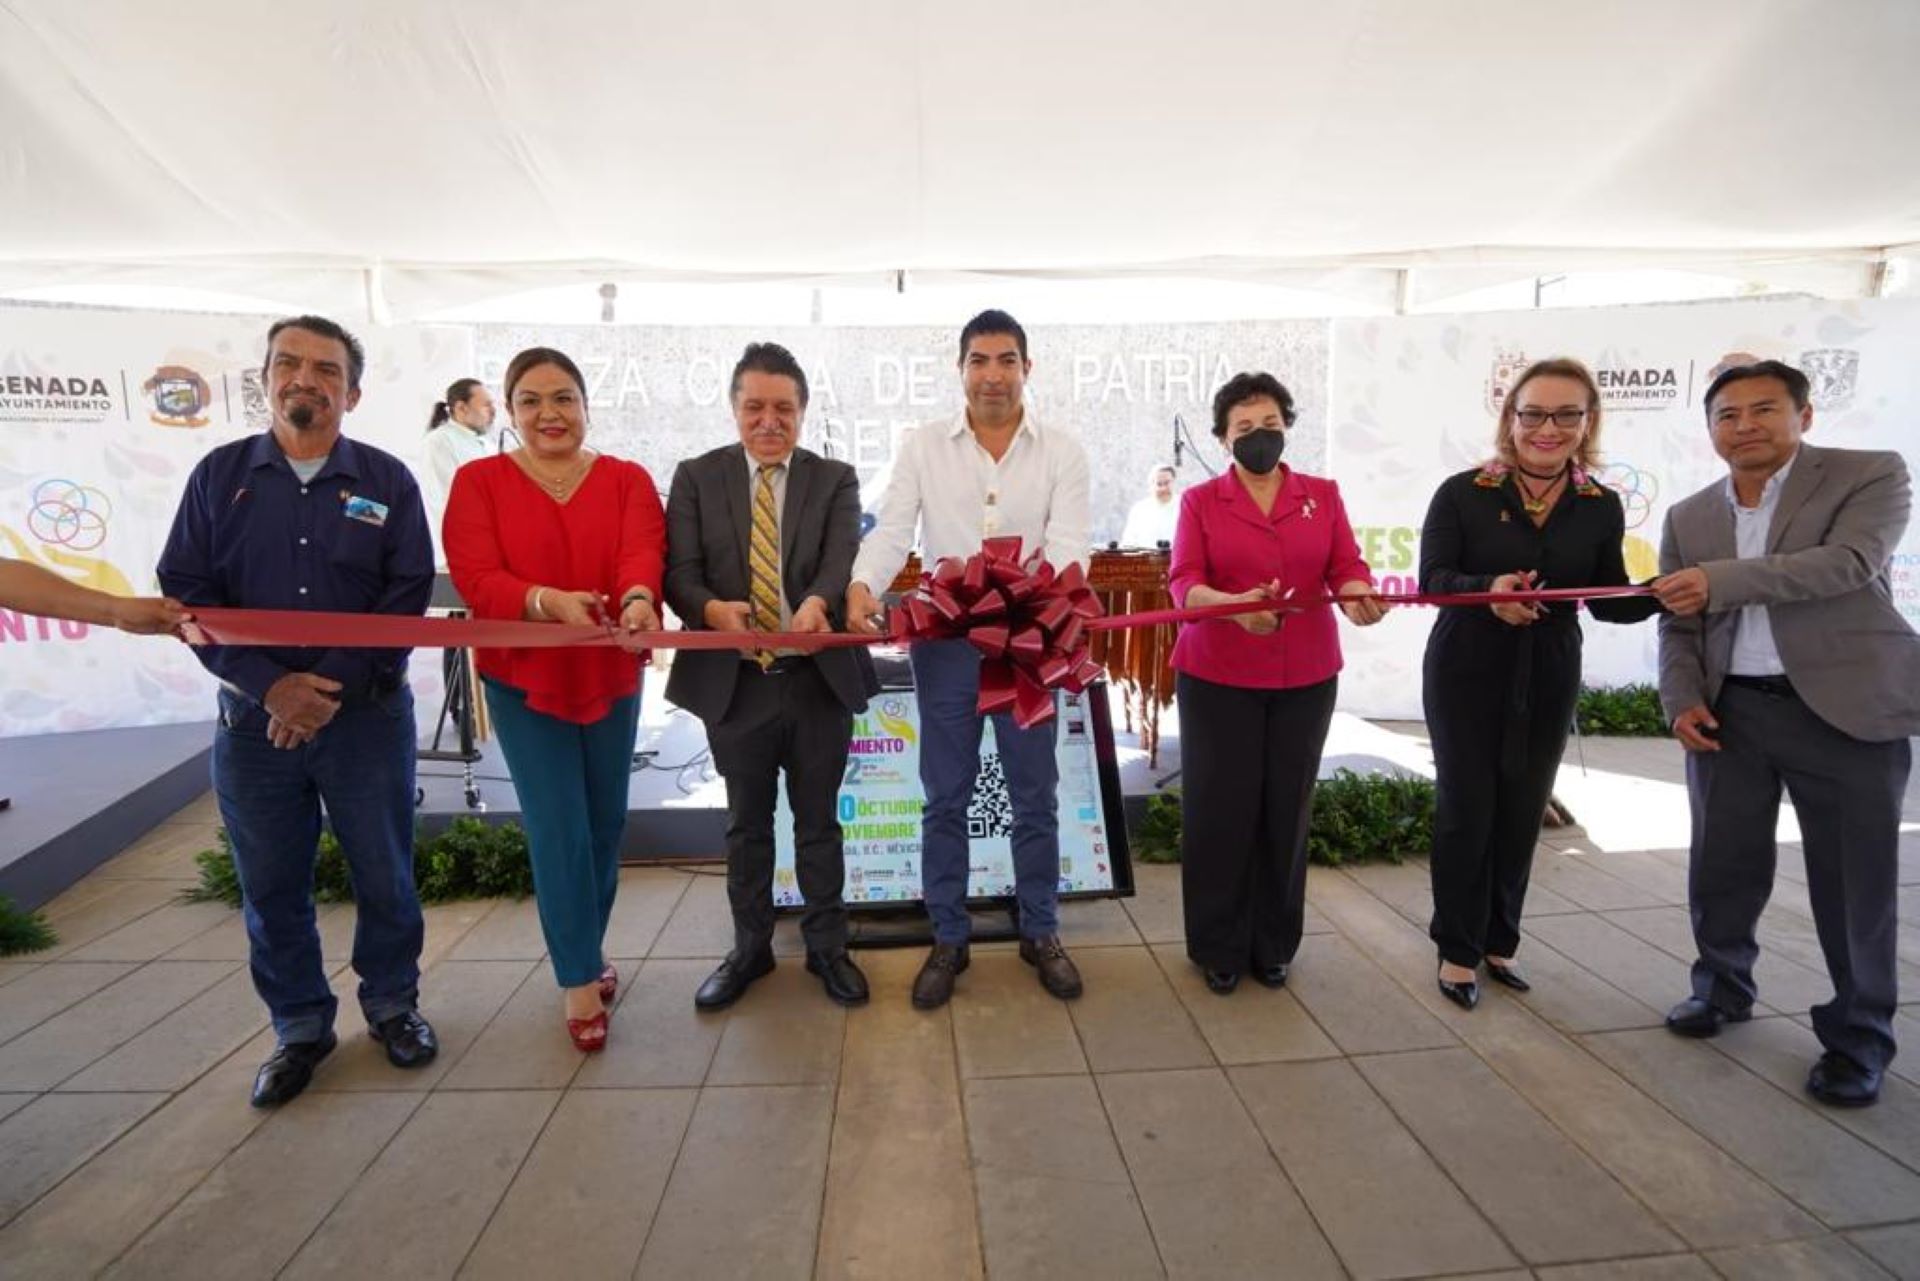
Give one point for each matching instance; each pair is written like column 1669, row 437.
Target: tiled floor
column 1354, row 1124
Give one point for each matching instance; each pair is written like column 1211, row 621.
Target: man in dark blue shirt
column 302, row 518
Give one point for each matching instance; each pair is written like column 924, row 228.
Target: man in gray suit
column 1784, row 662
column 761, row 536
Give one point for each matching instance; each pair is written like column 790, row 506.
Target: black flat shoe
column 409, row 1039
column 1508, row 976
column 1839, row 1081
column 1695, row 1017
column 1271, row 975
column 1465, row 995
column 730, row 982
column 1220, row 982
column 844, row 982
column 288, row 1070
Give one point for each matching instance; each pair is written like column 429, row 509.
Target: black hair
column 992, row 321
column 534, row 357
column 356, row 354
column 1797, row 385
column 459, row 392
column 768, row 358
column 1241, row 388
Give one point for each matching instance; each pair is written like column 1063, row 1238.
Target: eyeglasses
column 1561, row 417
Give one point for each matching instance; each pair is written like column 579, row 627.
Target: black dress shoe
column 409, row 1039
column 1695, row 1017
column 1838, row 1080
column 844, row 982
column 288, row 1070
column 728, row 983
column 933, row 985
column 1508, row 976
column 1271, row 975
column 1220, row 982
column 1465, row 995
column 1057, row 971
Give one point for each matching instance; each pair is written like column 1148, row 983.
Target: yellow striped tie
column 763, row 562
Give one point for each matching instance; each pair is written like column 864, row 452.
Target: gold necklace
column 557, row 488
column 1534, row 504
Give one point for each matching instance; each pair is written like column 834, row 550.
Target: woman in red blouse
column 1255, row 698
column 554, row 532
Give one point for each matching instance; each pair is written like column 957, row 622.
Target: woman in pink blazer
column 1255, row 696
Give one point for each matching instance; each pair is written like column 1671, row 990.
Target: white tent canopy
column 405, row 156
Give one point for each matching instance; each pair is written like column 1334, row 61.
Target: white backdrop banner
column 102, row 416
column 1414, row 398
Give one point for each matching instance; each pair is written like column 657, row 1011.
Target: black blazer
column 709, row 517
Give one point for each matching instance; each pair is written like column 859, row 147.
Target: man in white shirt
column 992, row 471
column 456, row 435
column 1151, row 521
column 1785, row 663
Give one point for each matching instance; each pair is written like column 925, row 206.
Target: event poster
column 1414, row 399
column 880, row 803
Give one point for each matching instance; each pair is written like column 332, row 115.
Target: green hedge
column 1357, row 818
column 23, row 931
column 470, row 859
column 1625, row 710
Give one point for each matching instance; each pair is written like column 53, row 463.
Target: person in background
column 1151, row 521
column 301, row 517
column 1255, row 691
column 456, row 436
column 1500, row 681
column 555, row 532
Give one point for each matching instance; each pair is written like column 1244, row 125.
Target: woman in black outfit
column 1500, row 681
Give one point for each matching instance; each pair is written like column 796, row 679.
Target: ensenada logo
column 179, row 397
column 1621, row 387
column 54, row 397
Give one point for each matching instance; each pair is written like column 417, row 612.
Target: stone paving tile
column 1548, row 1199
column 701, row 924
column 1005, row 1025
column 1156, row 903
column 1363, row 1009
column 11, row 970
column 122, row 903
column 56, row 1133
column 1677, row 1267
column 525, row 1047
column 419, row 1208
column 1897, row 1249
column 646, row 898
column 155, row 934
column 1781, row 1051
column 11, row 1103
column 167, row 852
column 759, row 1146
column 1784, row 982
column 46, row 990
column 1129, row 1019
column 460, row 998
column 1815, row 1260
column 1253, row 1025
column 1655, row 978
column 1836, row 1176
column 899, row 1149
column 1055, row 1197
column 1096, row 923
column 1216, row 1201
column 447, row 924
column 1571, row 997
column 174, row 1052
column 784, row 1031
column 656, row 1038
column 256, row 1208
column 1583, row 881
column 510, row 932
column 584, row 1200
column 1352, row 1159
column 76, row 1037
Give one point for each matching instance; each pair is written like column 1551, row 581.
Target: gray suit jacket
column 1850, row 655
column 709, row 516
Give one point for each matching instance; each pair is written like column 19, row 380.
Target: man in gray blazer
column 761, row 536
column 1784, row 662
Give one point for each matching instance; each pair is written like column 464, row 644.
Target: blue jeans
column 361, row 768
column 572, row 782
column 946, row 678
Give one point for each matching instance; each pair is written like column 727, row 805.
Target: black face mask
column 1259, row 450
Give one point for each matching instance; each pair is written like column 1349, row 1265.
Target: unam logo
column 1832, row 372
column 179, row 397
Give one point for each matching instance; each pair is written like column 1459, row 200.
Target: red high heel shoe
column 589, row 1035
column 609, row 985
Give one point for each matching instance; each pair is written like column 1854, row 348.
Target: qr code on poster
column 990, row 812
column 253, row 401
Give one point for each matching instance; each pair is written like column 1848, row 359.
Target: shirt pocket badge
column 366, row 511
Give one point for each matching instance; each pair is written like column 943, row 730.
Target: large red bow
column 1030, row 626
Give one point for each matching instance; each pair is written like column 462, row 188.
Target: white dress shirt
column 449, row 448
column 1151, row 522
column 955, row 494
column 1754, row 653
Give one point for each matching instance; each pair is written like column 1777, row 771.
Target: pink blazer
column 1223, row 542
